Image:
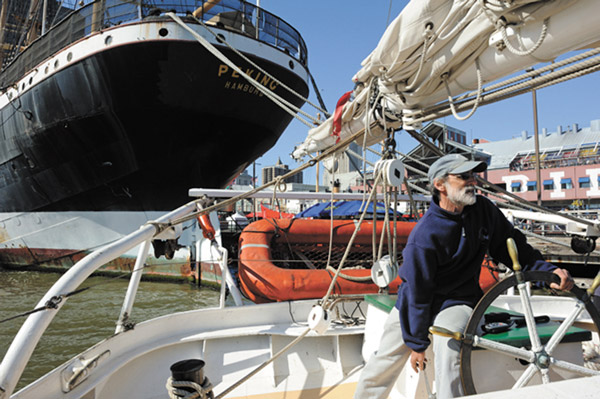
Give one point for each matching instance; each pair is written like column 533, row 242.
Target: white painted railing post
column 134, row 283
column 227, row 278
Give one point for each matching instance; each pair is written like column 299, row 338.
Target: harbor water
column 87, row 317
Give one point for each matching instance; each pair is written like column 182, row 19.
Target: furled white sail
column 440, row 48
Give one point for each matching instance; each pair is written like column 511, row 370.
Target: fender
column 208, row 230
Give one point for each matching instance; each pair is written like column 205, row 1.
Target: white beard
column 461, row 197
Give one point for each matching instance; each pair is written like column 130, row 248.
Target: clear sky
column 339, row 34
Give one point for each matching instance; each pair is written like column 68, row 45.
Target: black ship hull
column 105, row 125
column 135, row 126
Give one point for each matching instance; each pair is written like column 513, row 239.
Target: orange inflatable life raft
column 300, row 248
column 285, row 259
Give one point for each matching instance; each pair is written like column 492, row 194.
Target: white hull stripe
column 137, row 33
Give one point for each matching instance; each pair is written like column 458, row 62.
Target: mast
column 537, row 149
column 98, row 15
column 537, row 144
column 205, row 7
column 33, row 10
column 257, row 22
column 3, row 17
column 44, row 15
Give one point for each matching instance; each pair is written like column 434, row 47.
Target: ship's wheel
column 538, row 356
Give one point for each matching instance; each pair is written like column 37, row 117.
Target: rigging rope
column 328, row 266
column 264, row 364
column 427, row 37
column 60, row 7
column 241, row 55
column 248, row 60
column 388, row 189
column 536, row 207
column 341, row 144
column 507, row 90
column 516, row 51
column 351, row 241
column 318, row 94
column 484, row 182
column 528, row 75
column 477, row 99
column 395, row 246
column 278, row 100
column 330, row 250
column 53, row 302
column 526, row 206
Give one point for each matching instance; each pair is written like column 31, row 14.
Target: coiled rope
column 181, row 389
column 591, row 355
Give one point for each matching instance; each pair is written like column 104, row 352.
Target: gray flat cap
column 454, row 164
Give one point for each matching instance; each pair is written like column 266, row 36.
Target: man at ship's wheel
column 440, row 278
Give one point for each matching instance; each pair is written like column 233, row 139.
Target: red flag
column 337, row 115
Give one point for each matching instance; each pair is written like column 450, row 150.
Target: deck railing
column 35, row 325
column 235, row 15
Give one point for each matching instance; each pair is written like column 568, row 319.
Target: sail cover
column 437, row 48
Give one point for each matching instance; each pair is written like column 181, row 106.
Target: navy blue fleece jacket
column 442, row 261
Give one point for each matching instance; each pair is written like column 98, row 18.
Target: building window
column 531, row 186
column 515, row 187
column 566, row 184
column 548, row 184
column 584, row 182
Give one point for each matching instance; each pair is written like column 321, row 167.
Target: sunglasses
column 465, row 176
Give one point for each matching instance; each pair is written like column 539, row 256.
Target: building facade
column 569, row 166
column 243, row 179
column 270, row 173
column 348, row 164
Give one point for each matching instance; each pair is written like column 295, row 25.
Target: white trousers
column 382, row 369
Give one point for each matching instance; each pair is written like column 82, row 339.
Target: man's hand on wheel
column 566, row 281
